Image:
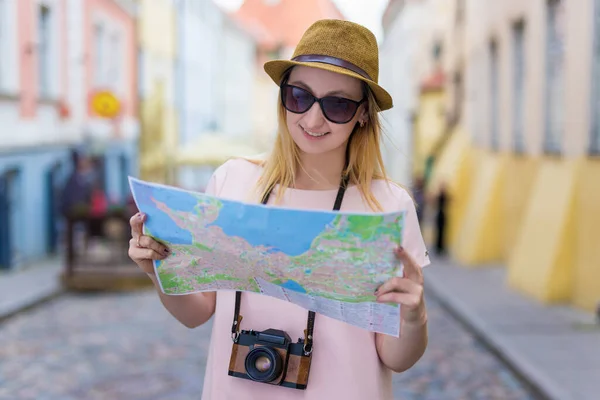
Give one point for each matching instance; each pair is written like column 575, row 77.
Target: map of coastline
column 306, row 257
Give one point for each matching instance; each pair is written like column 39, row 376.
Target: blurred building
column 157, row 53
column 56, row 56
column 102, row 87
column 214, row 92
column 403, row 22
column 34, row 144
column 521, row 140
column 277, row 26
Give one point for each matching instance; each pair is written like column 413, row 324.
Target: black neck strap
column 310, row 324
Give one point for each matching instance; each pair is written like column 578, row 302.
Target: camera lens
column 263, row 364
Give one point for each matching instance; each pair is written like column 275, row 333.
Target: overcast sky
column 364, row 12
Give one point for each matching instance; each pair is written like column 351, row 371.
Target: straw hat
column 338, row 46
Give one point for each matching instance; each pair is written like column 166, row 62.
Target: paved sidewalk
column 556, row 349
column 24, row 288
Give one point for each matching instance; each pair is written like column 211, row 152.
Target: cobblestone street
column 126, row 346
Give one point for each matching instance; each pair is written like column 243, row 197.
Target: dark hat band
column 333, row 61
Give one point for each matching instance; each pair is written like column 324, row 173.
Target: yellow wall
column 586, row 291
column 429, row 127
column 156, row 27
column 158, row 42
column 454, row 168
column 521, row 173
column 543, row 260
column 481, row 232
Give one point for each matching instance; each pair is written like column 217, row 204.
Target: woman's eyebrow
column 332, row 93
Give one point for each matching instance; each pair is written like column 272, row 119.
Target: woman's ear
column 364, row 115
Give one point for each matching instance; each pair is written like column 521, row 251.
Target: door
column 5, row 242
column 51, row 193
column 123, row 175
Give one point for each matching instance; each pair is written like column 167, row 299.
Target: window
column 114, row 74
column 460, row 11
column 437, row 51
column 44, row 54
column 518, row 123
column 458, row 96
column 595, row 112
column 3, row 33
column 100, row 55
column 554, row 76
column 494, row 100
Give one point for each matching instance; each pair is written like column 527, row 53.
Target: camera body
column 271, row 357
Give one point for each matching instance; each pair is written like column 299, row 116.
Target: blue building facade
column 31, row 181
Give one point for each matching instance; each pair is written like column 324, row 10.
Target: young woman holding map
column 326, row 155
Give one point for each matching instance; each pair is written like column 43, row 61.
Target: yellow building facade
column 157, row 43
column 522, row 161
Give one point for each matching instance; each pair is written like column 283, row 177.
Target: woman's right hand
column 143, row 249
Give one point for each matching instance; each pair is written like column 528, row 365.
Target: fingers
column 400, row 291
column 407, row 299
column 148, row 242
column 140, row 253
column 400, row 285
column 137, row 223
column 411, row 268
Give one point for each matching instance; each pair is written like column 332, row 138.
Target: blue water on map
column 287, row 231
column 293, row 285
column 159, row 223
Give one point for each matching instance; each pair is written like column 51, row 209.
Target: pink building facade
column 55, row 54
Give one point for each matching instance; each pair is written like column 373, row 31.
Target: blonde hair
column 365, row 162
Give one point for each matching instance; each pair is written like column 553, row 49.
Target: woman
column 328, row 130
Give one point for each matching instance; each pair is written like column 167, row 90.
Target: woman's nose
column 314, row 117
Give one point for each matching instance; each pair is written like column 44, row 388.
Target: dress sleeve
column 412, row 240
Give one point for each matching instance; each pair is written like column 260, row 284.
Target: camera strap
column 308, row 333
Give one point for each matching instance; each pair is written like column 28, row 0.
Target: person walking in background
column 441, row 206
column 77, row 193
column 326, row 155
column 420, row 197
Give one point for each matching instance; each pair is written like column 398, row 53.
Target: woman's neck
column 320, row 171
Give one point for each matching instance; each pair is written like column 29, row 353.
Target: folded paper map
column 325, row 261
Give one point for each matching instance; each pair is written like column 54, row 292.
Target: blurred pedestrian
column 326, row 154
column 420, row 197
column 441, row 219
column 77, row 193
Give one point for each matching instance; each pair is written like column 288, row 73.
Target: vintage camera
column 270, row 357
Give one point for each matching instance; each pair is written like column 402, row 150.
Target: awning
column 214, row 150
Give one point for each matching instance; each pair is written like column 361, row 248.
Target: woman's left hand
column 406, row 290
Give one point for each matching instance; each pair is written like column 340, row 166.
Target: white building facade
column 214, row 89
column 399, row 74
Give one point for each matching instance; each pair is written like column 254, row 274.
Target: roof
column 283, row 22
column 434, row 82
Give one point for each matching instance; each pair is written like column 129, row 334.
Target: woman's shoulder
column 391, row 195
column 241, row 165
column 239, row 172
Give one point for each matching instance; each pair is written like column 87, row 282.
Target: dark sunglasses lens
column 338, row 109
column 296, row 99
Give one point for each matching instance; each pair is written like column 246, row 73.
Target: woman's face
column 311, row 131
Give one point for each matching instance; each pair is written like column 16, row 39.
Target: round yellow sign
column 105, row 104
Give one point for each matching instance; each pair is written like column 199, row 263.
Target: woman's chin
column 315, row 145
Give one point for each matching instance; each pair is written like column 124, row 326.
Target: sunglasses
column 338, row 110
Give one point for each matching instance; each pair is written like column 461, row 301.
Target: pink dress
column 345, row 363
